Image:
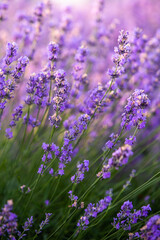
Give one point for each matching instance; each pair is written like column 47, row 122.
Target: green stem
column 32, row 132
column 25, row 131
column 37, row 180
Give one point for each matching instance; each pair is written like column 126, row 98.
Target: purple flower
column 81, row 169
column 3, row 6
column 79, row 75
column 11, row 53
column 131, row 140
column 110, row 143
column 73, row 198
column 38, row 11
column 53, row 50
column 151, row 230
column 31, row 121
column 67, row 149
column 47, row 202
column 122, row 52
column 8, row 220
column 7, row 87
column 81, row 54
column 51, row 171
column 94, row 100
column 43, row 223
column 16, row 115
column 49, row 149
column 20, row 67
column 28, row 224
column 60, row 98
column 145, row 209
column 92, row 210
column 9, row 133
column 134, row 110
column 37, row 88
column 41, row 168
column 126, row 217
column 119, row 158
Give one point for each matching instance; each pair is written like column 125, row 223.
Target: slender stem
column 25, row 131
column 108, row 233
column 54, row 191
column 52, row 234
column 32, row 132
column 51, row 135
column 37, row 180
column 59, row 179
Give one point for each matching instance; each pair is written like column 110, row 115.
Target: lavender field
column 80, row 120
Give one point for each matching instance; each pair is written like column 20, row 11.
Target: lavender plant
column 71, row 91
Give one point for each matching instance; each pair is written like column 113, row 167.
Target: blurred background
column 134, row 13
column 76, row 3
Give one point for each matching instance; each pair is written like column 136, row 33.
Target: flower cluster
column 126, row 217
column 152, row 228
column 9, row 133
column 39, row 11
column 30, row 120
column 11, row 53
column 60, row 99
column 150, row 231
column 8, row 221
column 130, row 140
column 92, row 210
column 6, row 89
column 111, row 143
column 78, row 75
column 81, row 169
column 37, row 88
column 53, row 50
column 69, row 136
column 122, row 53
column 15, row 118
column 26, row 227
column 16, row 115
column 55, row 65
column 48, row 150
column 9, row 77
column 96, row 100
column 65, row 156
column 77, row 127
column 20, row 67
column 134, row 110
column 3, row 9
column 119, row 158
column 73, row 198
column 43, row 223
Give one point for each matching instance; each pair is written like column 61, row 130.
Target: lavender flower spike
column 53, row 49
column 126, row 217
column 81, row 169
column 119, row 158
column 134, row 112
column 92, row 210
column 8, row 221
column 43, row 223
column 11, row 53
